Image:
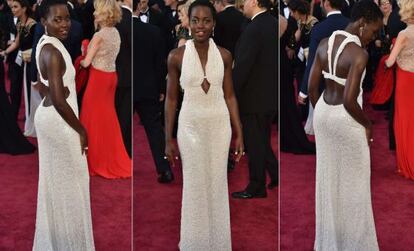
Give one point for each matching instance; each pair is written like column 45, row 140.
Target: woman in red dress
column 403, row 53
column 107, row 156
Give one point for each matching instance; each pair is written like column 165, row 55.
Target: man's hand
column 162, row 97
column 301, row 100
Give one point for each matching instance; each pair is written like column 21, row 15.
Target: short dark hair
column 301, row 6
column 366, row 9
column 264, row 4
column 44, row 7
column 336, row 4
column 203, row 3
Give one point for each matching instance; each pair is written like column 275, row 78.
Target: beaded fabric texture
column 344, row 217
column 63, row 217
column 405, row 58
column 105, row 57
column 204, row 134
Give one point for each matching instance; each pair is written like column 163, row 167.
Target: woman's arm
column 352, row 89
column 14, row 46
column 92, row 50
column 315, row 78
column 398, row 46
column 53, row 67
column 231, row 102
column 171, row 105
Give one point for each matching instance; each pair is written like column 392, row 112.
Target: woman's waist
column 104, row 68
column 204, row 110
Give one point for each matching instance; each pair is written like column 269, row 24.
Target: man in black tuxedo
column 149, row 15
column 171, row 20
column 15, row 71
column 229, row 25
column 394, row 25
column 85, row 12
column 149, row 89
column 123, row 98
column 333, row 22
column 255, row 83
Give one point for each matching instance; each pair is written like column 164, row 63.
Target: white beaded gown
column 344, row 217
column 63, row 217
column 204, row 134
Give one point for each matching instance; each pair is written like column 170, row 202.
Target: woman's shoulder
column 225, row 54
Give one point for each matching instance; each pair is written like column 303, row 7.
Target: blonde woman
column 107, row 156
column 183, row 29
column 402, row 53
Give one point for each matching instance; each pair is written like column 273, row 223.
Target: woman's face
column 385, row 6
column 294, row 14
column 182, row 16
column 58, row 22
column 370, row 32
column 17, row 10
column 201, row 23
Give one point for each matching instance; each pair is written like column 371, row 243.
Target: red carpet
column 392, row 197
column 157, row 206
column 110, row 202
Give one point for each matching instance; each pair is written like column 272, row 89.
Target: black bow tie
column 143, row 13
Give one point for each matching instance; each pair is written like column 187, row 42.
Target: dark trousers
column 257, row 136
column 391, row 135
column 15, row 74
column 123, row 103
column 149, row 112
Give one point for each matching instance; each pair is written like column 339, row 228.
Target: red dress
column 384, row 83
column 107, row 156
column 404, row 122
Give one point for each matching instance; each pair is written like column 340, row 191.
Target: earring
column 361, row 31
column 46, row 30
column 189, row 32
column 212, row 34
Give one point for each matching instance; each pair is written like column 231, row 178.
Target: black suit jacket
column 149, row 61
column 85, row 15
column 170, row 22
column 155, row 18
column 229, row 24
column 124, row 58
column 10, row 27
column 394, row 24
column 320, row 31
column 255, row 66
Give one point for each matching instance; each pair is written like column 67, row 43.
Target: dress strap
column 349, row 38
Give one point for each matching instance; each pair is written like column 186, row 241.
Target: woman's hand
column 239, row 146
column 84, row 141
column 171, row 153
column 368, row 132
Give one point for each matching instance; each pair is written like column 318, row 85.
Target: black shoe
column 247, row 195
column 165, row 177
column 272, row 184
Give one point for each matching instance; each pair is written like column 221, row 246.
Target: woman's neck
column 352, row 29
column 201, row 46
column 23, row 19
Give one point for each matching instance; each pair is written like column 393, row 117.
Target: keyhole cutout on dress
column 205, row 85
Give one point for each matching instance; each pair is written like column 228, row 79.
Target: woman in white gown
column 63, row 218
column 344, row 217
column 203, row 70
